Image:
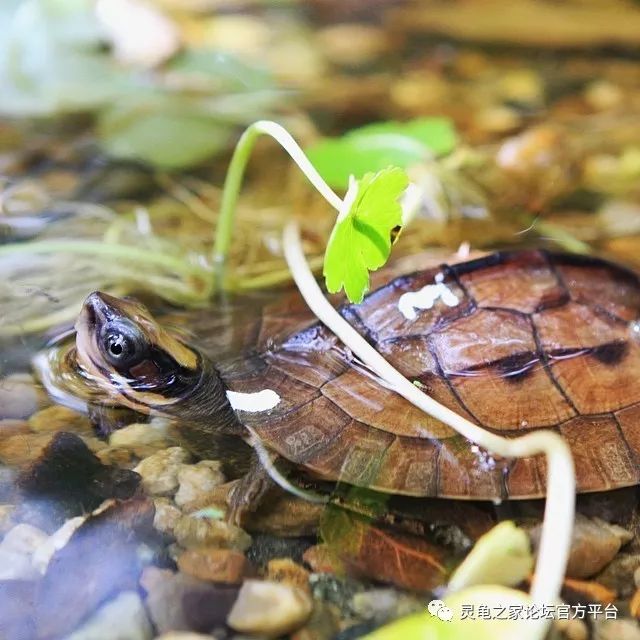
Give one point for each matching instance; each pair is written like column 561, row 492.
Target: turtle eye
column 122, row 344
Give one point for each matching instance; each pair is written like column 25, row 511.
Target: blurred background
column 117, row 119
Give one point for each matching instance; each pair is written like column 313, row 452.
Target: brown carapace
column 512, row 341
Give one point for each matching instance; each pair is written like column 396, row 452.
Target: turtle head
column 131, row 357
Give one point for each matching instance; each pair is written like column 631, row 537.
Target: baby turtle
column 513, row 341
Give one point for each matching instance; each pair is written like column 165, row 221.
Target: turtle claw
column 248, row 493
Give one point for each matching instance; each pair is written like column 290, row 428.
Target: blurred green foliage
column 55, row 60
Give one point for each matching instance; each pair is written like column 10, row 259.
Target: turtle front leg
column 248, row 494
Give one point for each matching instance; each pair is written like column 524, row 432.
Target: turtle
column 513, row 340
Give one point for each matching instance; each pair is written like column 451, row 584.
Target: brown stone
column 287, row 571
column 321, row 559
column 192, row 532
column 215, row 565
column 21, row 449
column 59, row 418
column 12, row 427
column 587, row 590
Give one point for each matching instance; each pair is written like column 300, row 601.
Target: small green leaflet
column 361, row 238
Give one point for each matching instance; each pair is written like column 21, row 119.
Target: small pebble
column 575, row 629
column 268, row 608
column 20, row 449
column 13, row 427
column 594, row 544
column 123, row 618
column 197, row 480
column 193, row 532
column 287, row 571
column 166, row 515
column 142, row 439
column 6, row 517
column 177, row 602
column 351, row 44
column 384, row 604
column 216, row 565
column 160, row 471
column 621, row 629
column 619, row 574
column 23, row 538
column 59, row 418
column 43, row 554
column 20, row 397
column 183, row 635
column 16, row 566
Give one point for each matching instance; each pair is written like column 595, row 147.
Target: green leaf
column 165, row 138
column 501, row 556
column 361, row 238
column 376, row 146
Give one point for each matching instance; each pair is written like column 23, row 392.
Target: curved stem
column 233, row 181
column 558, row 521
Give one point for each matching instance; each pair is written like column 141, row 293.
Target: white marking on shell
column 426, row 297
column 253, row 402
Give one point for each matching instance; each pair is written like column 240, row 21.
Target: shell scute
column 523, row 282
column 381, row 312
column 536, row 340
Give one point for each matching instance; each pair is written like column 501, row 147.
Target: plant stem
column 558, row 521
column 233, row 181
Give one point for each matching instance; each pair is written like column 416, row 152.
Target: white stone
column 144, row 439
column 166, row 515
column 160, row 471
column 54, row 542
column 196, row 480
column 269, row 608
column 16, row 566
column 23, row 538
column 123, row 618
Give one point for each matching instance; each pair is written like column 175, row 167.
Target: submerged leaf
column 361, row 238
column 379, row 145
column 407, row 561
column 166, row 139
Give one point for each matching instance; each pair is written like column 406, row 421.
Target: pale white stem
column 287, row 142
column 558, row 521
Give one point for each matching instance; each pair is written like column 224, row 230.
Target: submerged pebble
column 20, row 397
column 617, row 630
column 6, row 517
column 594, row 544
column 288, row 572
column 385, row 604
column 166, row 515
column 177, row 602
column 123, row 618
column 142, row 439
column 193, row 532
column 269, row 608
column 216, row 565
column 159, row 471
column 197, row 480
column 59, row 418
column 618, row 574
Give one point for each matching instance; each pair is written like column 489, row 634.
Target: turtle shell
column 513, row 341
